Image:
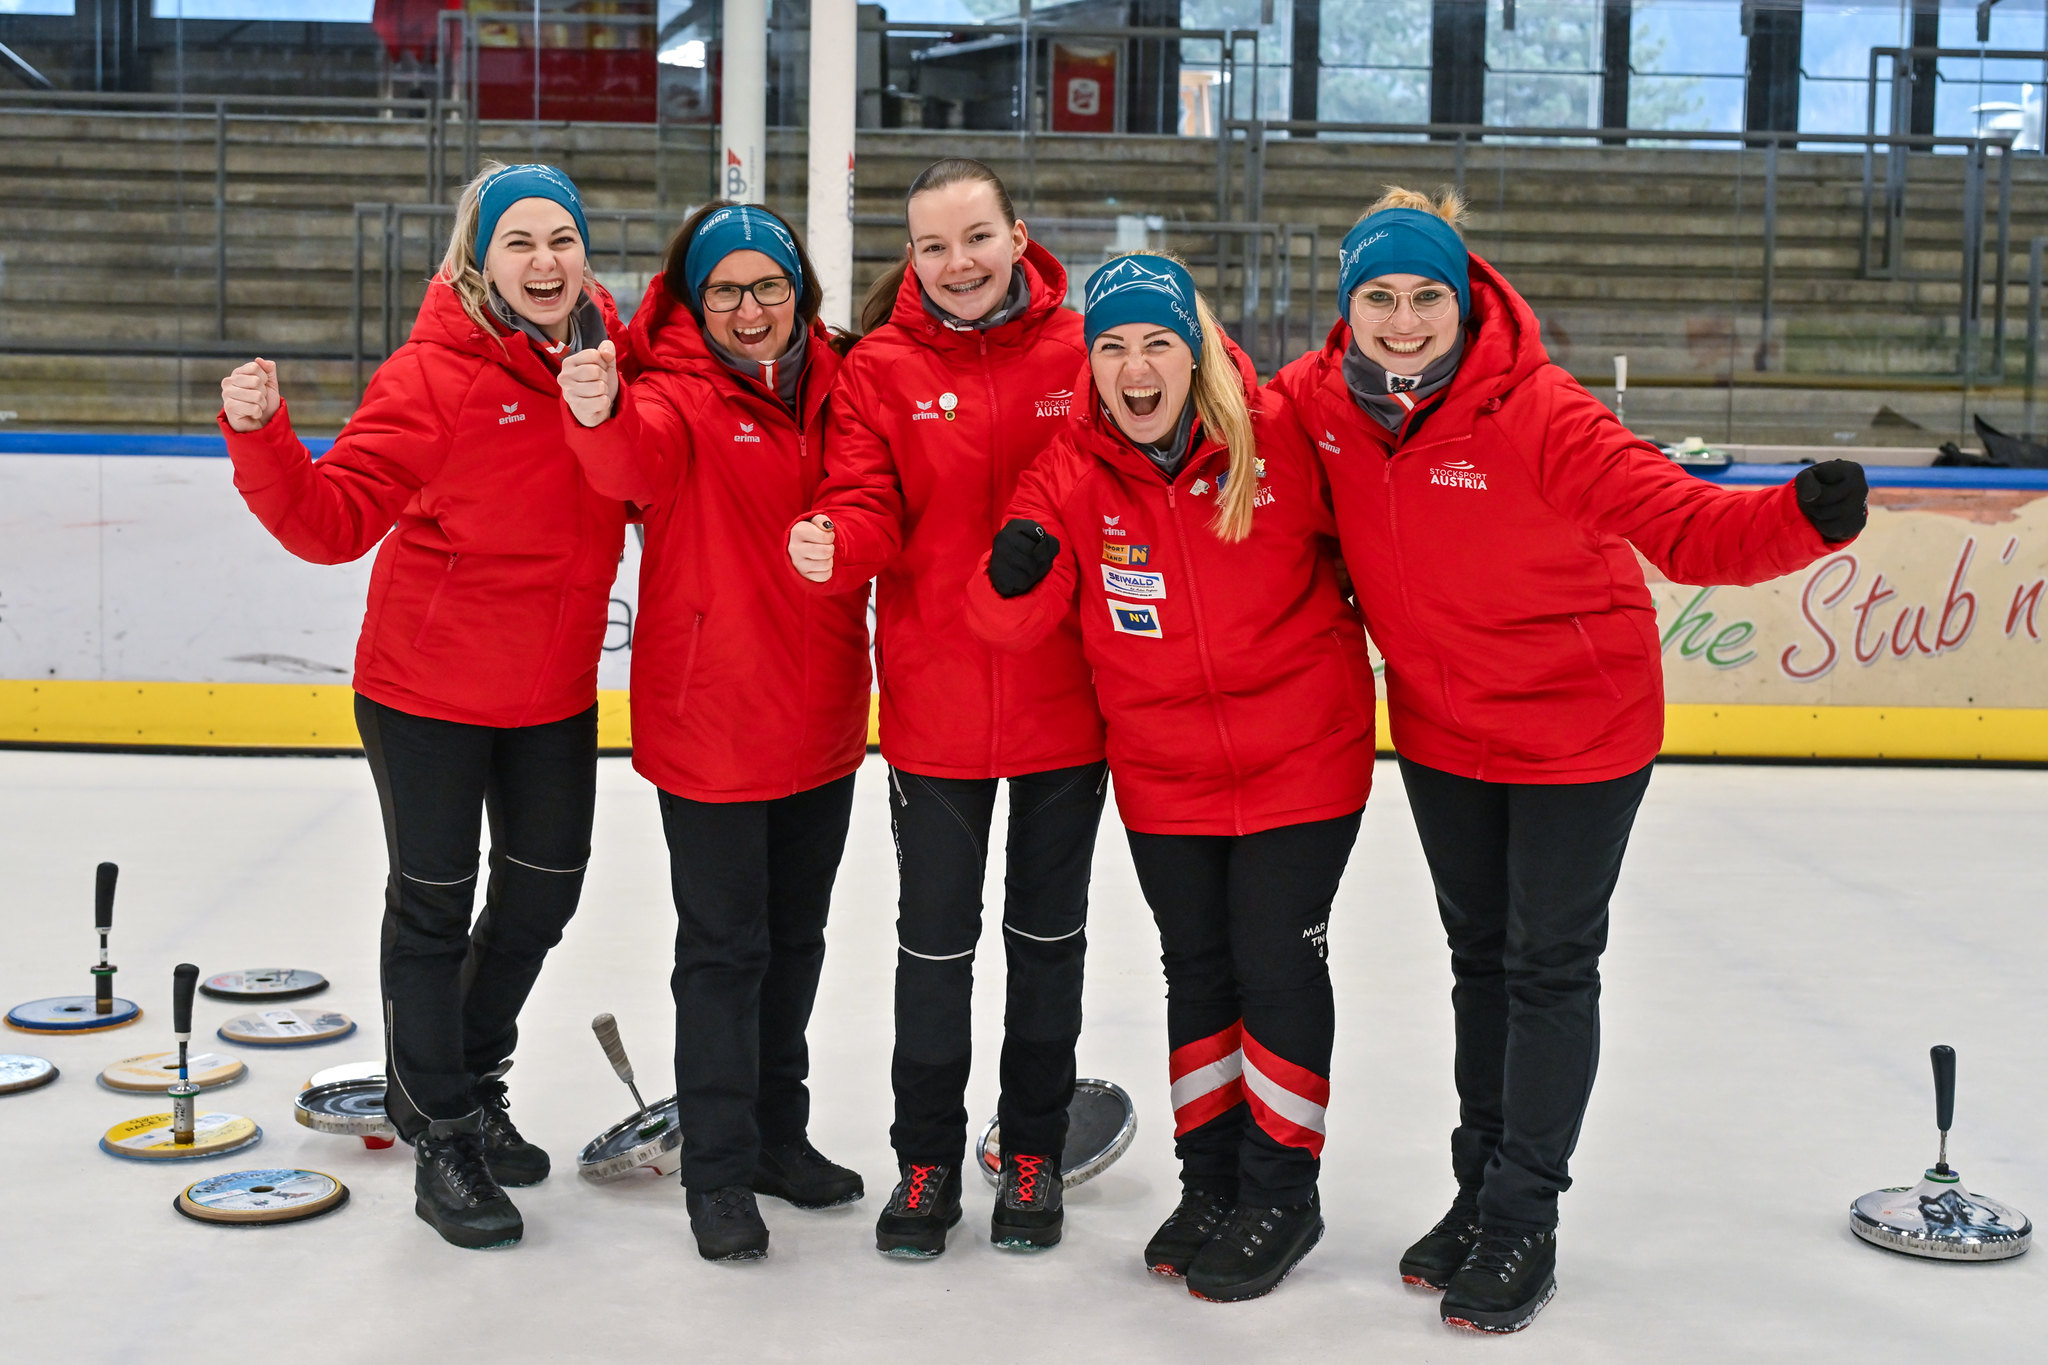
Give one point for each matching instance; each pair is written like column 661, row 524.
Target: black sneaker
column 727, row 1224
column 514, row 1160
column 456, row 1192
column 1193, row 1224
column 799, row 1173
column 1030, row 1212
column 1436, row 1257
column 1504, row 1283
column 923, row 1208
column 1255, row 1251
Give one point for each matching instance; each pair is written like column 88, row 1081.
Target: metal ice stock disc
column 150, row 1138
column 287, row 1028
column 274, row 984
column 348, row 1109
column 284, row 1195
column 70, row 1014
column 1101, row 1125
column 1940, row 1220
column 157, row 1072
column 20, row 1072
column 653, row 1139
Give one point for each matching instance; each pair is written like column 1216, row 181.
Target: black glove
column 1023, row 554
column 1834, row 495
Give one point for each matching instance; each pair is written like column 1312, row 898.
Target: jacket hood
column 1503, row 346
column 1042, row 271
column 1094, row 432
column 665, row 335
column 443, row 322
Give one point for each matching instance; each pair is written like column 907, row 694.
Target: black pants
column 942, row 827
column 1523, row 875
column 452, row 992
column 1243, row 928
column 753, row 882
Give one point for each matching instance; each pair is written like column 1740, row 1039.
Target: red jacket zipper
column 1208, row 666
column 995, row 502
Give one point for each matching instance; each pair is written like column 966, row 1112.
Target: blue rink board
column 213, row 447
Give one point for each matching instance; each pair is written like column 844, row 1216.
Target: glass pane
column 1546, row 72
column 1686, row 60
column 1375, row 61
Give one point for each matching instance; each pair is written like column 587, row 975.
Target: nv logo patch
column 1131, row 618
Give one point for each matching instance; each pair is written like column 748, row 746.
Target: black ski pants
column 752, row 882
column 452, row 990
column 1244, row 925
column 1523, row 875
column 941, row 826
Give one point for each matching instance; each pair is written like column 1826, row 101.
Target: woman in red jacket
column 750, row 693
column 1488, row 505
column 1193, row 529
column 964, row 374
column 476, row 673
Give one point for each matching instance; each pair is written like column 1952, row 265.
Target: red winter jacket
column 488, row 602
column 1489, row 541
column 745, row 687
column 930, row 429
column 1233, row 676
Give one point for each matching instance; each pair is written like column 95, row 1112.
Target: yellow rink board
column 295, row 716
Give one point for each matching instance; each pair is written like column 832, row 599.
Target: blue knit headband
column 514, row 183
column 1403, row 242
column 740, row 227
column 1142, row 288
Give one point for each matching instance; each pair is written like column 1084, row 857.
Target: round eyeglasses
column 726, row 298
column 1430, row 302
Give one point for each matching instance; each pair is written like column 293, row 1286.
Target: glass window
column 1546, row 72
column 1375, row 61
column 1275, row 52
column 1686, row 64
column 301, row 11
column 37, row 7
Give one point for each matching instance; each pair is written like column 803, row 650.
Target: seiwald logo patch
column 1149, row 587
column 1129, row 618
column 1114, row 552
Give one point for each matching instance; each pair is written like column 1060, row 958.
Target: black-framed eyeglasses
column 726, row 298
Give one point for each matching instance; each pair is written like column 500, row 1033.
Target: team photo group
column 1107, row 562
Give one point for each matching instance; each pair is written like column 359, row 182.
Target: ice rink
column 1787, row 944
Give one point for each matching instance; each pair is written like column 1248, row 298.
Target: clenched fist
column 249, row 397
column 590, row 383
column 810, row 548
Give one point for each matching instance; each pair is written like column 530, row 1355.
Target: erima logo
column 1457, row 474
column 1109, row 526
column 512, row 414
column 746, row 428
column 924, row 412
column 1056, row 404
column 1329, row 442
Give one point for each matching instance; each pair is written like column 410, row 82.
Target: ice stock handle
column 184, row 978
column 1944, row 1058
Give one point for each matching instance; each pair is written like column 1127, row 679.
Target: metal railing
column 1242, row 193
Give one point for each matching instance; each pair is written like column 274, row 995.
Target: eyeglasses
column 1430, row 302
column 726, row 298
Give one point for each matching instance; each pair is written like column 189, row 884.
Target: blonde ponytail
column 1448, row 205
column 1220, row 403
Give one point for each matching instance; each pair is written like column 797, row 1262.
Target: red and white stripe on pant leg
column 1205, row 1075
column 1286, row 1100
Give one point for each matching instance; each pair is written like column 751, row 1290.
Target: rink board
column 144, row 607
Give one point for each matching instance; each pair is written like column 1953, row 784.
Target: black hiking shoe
column 1432, row 1261
column 1255, row 1251
column 514, row 1161
column 1504, row 1283
column 799, row 1173
column 1192, row 1225
column 727, row 1224
column 923, row 1208
column 456, row 1193
column 1030, row 1212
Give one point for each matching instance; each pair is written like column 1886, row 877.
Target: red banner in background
column 1084, row 88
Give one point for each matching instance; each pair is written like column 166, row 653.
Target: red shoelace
column 915, row 1195
column 1027, row 1176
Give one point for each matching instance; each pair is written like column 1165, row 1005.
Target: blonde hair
column 1220, row 403
column 1448, row 205
column 459, row 265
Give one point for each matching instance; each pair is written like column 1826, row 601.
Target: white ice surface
column 1787, row 943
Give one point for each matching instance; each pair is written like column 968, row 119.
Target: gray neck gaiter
column 1389, row 398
